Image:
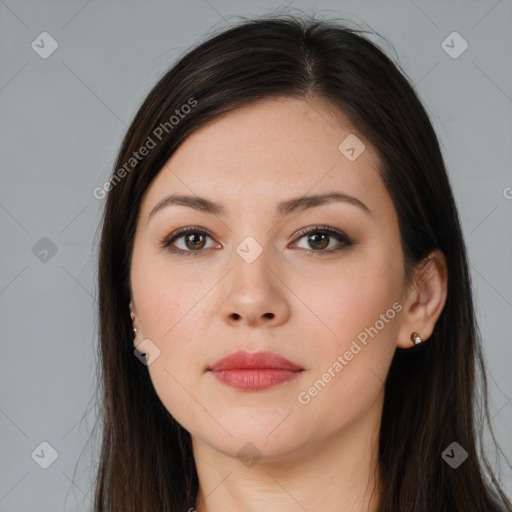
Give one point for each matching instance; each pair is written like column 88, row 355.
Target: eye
column 318, row 239
column 194, row 241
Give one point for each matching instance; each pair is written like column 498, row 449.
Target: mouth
column 254, row 371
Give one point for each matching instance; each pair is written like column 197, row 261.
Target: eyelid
column 184, row 230
column 319, row 227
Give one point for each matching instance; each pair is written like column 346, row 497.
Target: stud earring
column 416, row 338
column 134, row 333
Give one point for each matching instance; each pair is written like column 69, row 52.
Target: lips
column 254, row 372
column 242, row 360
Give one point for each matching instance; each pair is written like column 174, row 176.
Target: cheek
column 360, row 312
column 174, row 319
column 172, row 316
column 351, row 366
column 345, row 299
column 166, row 296
column 176, row 389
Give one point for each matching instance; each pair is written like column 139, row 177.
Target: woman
column 286, row 315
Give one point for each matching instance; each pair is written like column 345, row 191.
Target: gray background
column 63, row 119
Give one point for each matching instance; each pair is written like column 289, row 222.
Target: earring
column 134, row 333
column 416, row 338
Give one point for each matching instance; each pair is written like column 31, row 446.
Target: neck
column 335, row 473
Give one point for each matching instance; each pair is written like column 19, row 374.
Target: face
column 253, row 277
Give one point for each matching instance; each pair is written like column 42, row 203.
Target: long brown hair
column 146, row 460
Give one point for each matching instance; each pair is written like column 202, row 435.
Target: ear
column 424, row 299
column 135, row 323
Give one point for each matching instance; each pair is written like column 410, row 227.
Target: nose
column 256, row 294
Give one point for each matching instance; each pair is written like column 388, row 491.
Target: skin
column 317, row 456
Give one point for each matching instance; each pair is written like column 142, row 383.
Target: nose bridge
column 254, row 293
column 255, row 239
column 251, row 261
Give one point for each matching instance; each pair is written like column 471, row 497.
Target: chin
column 253, row 439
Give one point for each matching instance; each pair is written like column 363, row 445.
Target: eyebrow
column 283, row 208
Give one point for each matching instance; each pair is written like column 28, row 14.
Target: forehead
column 272, row 148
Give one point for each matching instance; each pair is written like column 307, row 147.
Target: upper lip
column 241, row 359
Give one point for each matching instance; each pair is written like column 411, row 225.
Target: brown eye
column 319, row 238
column 193, row 241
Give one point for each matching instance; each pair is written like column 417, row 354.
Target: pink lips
column 254, row 371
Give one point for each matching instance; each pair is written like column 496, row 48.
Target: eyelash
column 180, row 233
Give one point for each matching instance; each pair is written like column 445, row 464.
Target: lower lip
column 255, row 380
